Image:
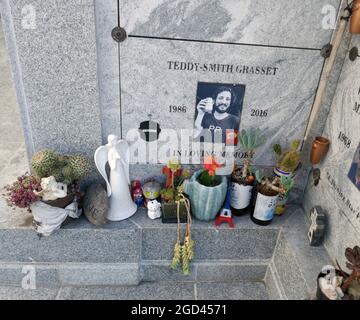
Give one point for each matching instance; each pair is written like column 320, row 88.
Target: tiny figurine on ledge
column 242, row 180
column 170, row 195
column 336, row 284
column 225, row 213
column 52, row 193
column 116, row 153
column 151, row 191
column 207, row 191
column 136, row 193
column 267, row 195
column 154, row 209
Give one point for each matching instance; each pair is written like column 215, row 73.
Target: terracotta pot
column 319, row 149
column 355, row 18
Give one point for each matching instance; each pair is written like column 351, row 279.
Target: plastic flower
column 211, row 165
column 186, row 173
column 174, row 164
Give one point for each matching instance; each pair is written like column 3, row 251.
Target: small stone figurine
column 154, row 209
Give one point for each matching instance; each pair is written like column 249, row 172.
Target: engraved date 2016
column 262, row 113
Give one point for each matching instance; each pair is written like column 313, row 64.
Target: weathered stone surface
column 336, row 193
column 231, row 291
column 55, row 72
column 121, row 274
column 145, row 291
column 96, row 204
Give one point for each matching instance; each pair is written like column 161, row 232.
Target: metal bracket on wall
column 316, row 176
column 354, row 54
column 326, row 50
column 119, row 34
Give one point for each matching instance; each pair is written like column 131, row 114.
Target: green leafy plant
column 249, row 141
column 65, row 168
column 288, row 160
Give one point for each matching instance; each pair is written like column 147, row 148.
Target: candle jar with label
column 241, row 192
column 265, row 204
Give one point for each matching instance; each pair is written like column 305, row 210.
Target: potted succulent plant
column 268, row 191
column 287, row 164
column 336, row 284
column 243, row 179
column 206, row 190
column 66, row 169
column 171, row 200
column 288, row 160
column 52, row 193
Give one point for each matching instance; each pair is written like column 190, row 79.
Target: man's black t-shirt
column 212, row 124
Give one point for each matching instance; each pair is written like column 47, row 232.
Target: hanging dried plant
column 184, row 250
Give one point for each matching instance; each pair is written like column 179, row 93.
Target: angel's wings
column 101, row 158
column 122, row 147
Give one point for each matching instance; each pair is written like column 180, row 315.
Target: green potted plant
column 287, row 164
column 268, row 191
column 52, row 188
column 67, row 169
column 171, row 200
column 287, row 160
column 243, row 179
column 207, row 191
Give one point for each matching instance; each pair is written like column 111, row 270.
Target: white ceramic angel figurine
column 116, row 152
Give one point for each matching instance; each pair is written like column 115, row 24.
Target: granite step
column 144, row 291
column 135, row 250
column 139, row 250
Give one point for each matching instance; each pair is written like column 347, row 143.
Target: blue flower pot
column 206, row 202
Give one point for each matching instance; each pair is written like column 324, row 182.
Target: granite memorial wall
column 338, row 191
column 76, row 85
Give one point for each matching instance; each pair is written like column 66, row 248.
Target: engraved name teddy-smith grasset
column 225, row 68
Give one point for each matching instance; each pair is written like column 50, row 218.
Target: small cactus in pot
column 268, row 193
column 242, row 179
column 288, row 161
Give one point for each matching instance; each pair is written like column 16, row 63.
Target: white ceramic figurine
column 154, row 209
column 116, row 153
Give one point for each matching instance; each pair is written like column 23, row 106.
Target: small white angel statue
column 116, row 152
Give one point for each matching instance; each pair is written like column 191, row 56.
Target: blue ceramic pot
column 206, row 202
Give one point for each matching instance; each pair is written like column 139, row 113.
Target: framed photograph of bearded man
column 217, row 112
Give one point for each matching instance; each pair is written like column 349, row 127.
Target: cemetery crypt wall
column 338, row 191
column 75, row 84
